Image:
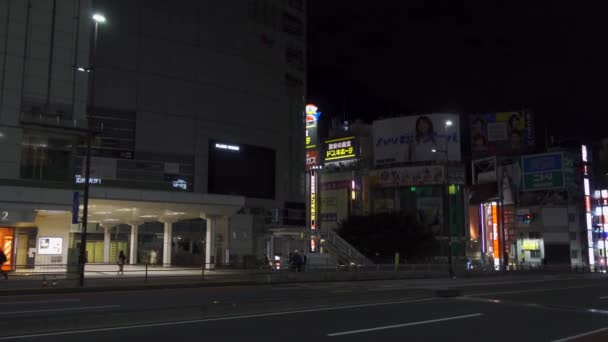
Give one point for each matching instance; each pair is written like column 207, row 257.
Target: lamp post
column 97, row 19
column 446, row 201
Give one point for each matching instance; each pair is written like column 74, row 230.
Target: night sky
column 382, row 57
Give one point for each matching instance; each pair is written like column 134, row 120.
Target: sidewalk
column 106, row 278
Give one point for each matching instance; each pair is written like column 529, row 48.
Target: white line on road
column 534, row 290
column 605, row 297
column 41, row 301
column 205, row 320
column 403, row 325
column 575, row 337
column 56, row 310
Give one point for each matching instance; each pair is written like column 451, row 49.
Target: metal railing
column 344, row 250
column 103, row 275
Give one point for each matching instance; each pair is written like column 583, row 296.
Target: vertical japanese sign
column 312, row 161
column 313, row 209
column 588, row 215
column 311, row 138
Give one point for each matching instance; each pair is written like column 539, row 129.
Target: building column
column 134, row 238
column 106, row 244
column 167, row 241
column 211, row 221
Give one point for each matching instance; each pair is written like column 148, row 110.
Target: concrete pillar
column 134, row 238
column 210, row 261
column 106, row 244
column 167, row 242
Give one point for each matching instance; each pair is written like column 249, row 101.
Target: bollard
column 146, row 275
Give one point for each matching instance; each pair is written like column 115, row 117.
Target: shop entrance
column 7, row 241
column 95, row 251
column 22, row 248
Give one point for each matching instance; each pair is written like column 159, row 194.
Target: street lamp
column 98, row 19
column 446, row 201
column 448, row 123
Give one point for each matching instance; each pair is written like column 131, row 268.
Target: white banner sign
column 414, row 138
column 408, row 176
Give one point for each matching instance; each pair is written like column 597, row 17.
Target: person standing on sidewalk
column 121, row 262
column 3, row 259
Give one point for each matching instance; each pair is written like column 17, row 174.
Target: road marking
column 41, row 301
column 56, row 310
column 342, row 291
column 589, row 333
column 534, row 290
column 605, row 297
column 205, row 320
column 404, row 325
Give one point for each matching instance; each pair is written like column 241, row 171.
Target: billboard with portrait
column 416, row 139
column 501, row 133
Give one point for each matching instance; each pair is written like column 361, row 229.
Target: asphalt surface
column 523, row 308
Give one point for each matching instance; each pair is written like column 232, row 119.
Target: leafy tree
column 379, row 236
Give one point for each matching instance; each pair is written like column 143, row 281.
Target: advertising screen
column 50, row 246
column 242, row 170
column 416, row 138
column 501, row 133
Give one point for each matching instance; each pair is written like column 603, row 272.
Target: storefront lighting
column 586, row 185
column 175, row 213
column 604, row 193
column 126, row 209
column 102, row 212
column 149, row 216
column 110, row 220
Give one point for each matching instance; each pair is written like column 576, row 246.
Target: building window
column 46, row 156
column 293, row 25
column 573, row 236
column 297, row 4
column 117, row 133
column 534, row 235
column 574, row 254
column 571, row 217
column 535, row 254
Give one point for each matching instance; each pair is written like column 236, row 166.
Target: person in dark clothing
column 121, row 262
column 3, row 259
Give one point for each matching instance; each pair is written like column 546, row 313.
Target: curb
column 60, row 290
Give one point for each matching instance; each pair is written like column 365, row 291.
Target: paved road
column 549, row 308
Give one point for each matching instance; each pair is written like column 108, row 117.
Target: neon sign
column 342, row 148
column 312, row 113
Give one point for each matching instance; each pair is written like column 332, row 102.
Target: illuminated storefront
column 7, row 244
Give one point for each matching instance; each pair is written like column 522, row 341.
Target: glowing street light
column 448, row 123
column 99, row 18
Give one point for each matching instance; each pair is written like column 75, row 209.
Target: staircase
column 341, row 250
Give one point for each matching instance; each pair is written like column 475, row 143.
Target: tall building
column 196, row 109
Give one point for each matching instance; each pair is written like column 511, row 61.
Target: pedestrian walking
column 121, row 262
column 3, row 259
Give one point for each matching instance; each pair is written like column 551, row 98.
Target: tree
column 379, row 236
